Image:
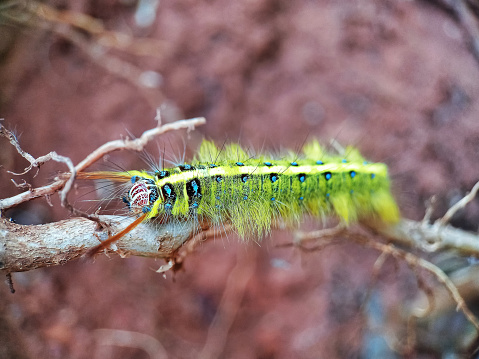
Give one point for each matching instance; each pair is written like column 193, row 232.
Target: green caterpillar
column 251, row 193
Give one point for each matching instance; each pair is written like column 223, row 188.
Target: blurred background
column 397, row 79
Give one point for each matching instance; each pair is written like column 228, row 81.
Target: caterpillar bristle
column 117, row 236
column 104, row 175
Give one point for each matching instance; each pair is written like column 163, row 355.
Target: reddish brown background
column 394, row 78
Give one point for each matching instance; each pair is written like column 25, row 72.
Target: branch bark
column 432, row 237
column 23, row 248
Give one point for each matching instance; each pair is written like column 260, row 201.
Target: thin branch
column 138, row 144
column 129, row 339
column 430, row 237
column 135, row 144
column 468, row 20
column 415, row 262
column 95, row 27
column 74, row 27
column 460, row 205
column 14, row 142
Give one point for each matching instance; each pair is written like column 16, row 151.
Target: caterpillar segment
column 228, row 186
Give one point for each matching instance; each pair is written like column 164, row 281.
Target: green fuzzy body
column 229, row 186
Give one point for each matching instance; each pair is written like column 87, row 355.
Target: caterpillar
column 252, row 192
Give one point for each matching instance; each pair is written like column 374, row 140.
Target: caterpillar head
column 142, row 195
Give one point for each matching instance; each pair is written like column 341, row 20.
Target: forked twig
column 137, row 144
column 414, row 262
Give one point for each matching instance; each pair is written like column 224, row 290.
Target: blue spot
column 146, row 209
column 294, row 163
column 244, row 178
column 273, row 199
column 269, row 164
column 301, row 198
column 373, row 175
column 217, row 197
column 245, row 198
column 239, row 164
column 274, row 178
column 162, row 174
column 219, row 179
column 344, row 161
column 301, row 177
column 194, row 205
column 352, row 174
column 352, row 191
column 328, row 176
column 327, row 195
column 134, row 179
column 365, row 163
column 319, row 162
column 168, row 206
column 213, row 165
column 186, row 167
column 153, row 196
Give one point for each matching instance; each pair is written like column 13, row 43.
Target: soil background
column 394, row 78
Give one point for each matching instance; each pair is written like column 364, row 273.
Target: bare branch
column 459, row 205
column 34, row 162
column 13, row 140
column 139, row 143
column 136, row 145
column 431, row 237
column 413, row 261
column 95, row 27
column 129, row 339
column 13, row 201
column 468, row 20
column 90, row 35
column 24, row 248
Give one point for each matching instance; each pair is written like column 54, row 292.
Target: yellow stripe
column 174, row 178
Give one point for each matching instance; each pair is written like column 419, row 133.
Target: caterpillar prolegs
column 229, row 186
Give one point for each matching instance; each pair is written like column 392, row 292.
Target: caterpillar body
column 250, row 193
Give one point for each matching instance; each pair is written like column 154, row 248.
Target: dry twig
column 137, row 144
column 460, row 205
column 90, row 36
column 125, row 338
column 411, row 259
